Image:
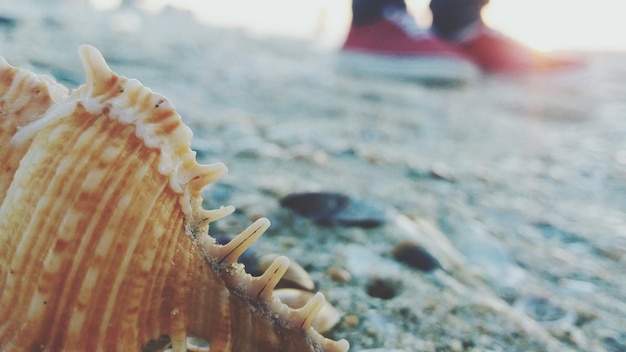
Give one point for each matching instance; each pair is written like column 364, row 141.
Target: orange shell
column 103, row 239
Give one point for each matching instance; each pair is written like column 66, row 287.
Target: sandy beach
column 515, row 185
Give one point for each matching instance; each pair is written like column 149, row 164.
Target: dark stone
column 328, row 209
column 382, row 288
column 8, row 23
column 361, row 214
column 437, row 172
column 615, row 344
column 416, row 257
column 315, row 205
column 552, row 232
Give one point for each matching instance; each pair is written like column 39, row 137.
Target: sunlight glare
column 561, row 24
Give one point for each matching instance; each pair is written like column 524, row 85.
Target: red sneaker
column 494, row 52
column 395, row 46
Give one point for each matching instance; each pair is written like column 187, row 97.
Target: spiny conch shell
column 103, row 239
column 294, row 276
column 327, row 317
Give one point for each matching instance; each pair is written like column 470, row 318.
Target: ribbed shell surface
column 103, row 241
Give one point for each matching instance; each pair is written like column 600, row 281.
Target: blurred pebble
column 430, row 237
column 613, row 247
column 316, row 206
column 339, row 275
column 327, row 208
column 415, row 256
column 351, row 320
column 576, row 337
column 615, row 343
column 436, row 172
column 360, row 213
column 542, row 310
column 8, row 23
column 382, row 288
column 442, row 172
column 551, row 232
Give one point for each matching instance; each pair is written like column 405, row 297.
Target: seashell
column 104, row 243
column 295, row 276
column 328, row 316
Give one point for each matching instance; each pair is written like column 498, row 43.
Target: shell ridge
column 28, row 242
column 125, row 262
column 165, row 131
column 56, row 111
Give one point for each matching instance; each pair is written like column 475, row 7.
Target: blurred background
column 542, row 24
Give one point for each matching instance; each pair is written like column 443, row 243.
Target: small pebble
column 541, row 309
column 441, row 172
column 382, row 288
column 328, row 208
column 318, row 206
column 576, row 337
column 339, row 275
column 8, row 22
column 351, row 320
column 415, row 256
column 361, row 213
column 615, row 343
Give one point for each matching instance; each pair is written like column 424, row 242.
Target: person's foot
column 495, row 53
column 395, row 46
